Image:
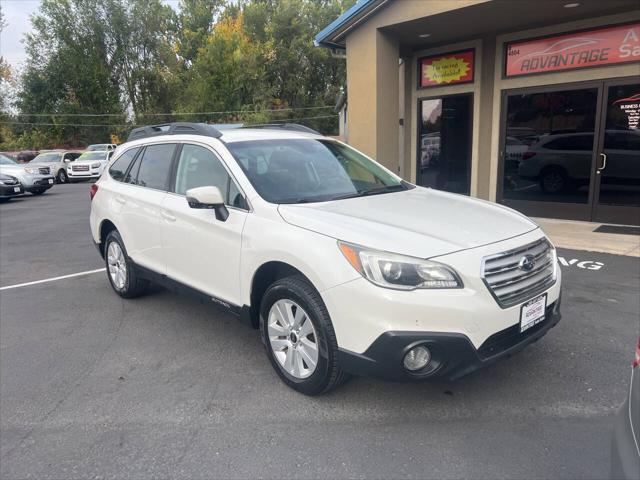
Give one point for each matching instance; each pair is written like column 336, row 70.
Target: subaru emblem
column 527, row 263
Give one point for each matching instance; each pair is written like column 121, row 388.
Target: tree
column 300, row 74
column 227, row 73
column 196, row 22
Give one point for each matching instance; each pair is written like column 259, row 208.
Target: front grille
column 80, row 168
column 44, row 170
column 509, row 337
column 511, row 284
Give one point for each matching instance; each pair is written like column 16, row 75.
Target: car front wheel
column 62, row 177
column 299, row 337
column 120, row 270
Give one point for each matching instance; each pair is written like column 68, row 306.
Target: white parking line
column 79, row 274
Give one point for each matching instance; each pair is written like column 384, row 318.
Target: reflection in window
column 548, row 146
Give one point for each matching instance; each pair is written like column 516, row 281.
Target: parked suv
column 32, row 178
column 56, row 161
column 88, row 165
column 344, row 267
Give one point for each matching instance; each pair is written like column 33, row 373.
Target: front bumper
column 83, row 174
column 38, row 182
column 453, row 354
column 7, row 191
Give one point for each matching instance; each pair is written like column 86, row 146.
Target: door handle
column 120, row 200
column 166, row 216
column 604, row 163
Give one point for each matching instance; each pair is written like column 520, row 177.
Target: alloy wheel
column 293, row 338
column 117, row 265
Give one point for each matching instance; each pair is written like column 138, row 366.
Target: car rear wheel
column 299, row 337
column 62, row 177
column 120, row 270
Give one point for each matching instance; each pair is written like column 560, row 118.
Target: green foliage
column 136, row 58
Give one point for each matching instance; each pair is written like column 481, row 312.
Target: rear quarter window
column 119, row 168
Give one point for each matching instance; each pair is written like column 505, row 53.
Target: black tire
column 39, row 191
column 327, row 374
column 554, row 180
column 5, row 200
column 62, row 176
column 134, row 286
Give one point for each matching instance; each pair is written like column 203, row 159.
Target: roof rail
column 295, row 127
column 176, row 128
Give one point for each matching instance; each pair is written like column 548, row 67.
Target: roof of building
column 332, row 36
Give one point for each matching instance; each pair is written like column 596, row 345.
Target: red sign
column 447, row 69
column 605, row 46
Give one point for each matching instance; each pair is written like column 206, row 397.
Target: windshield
column 47, row 157
column 93, row 156
column 5, row 160
column 100, row 146
column 310, row 170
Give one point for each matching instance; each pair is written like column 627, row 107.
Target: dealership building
column 532, row 104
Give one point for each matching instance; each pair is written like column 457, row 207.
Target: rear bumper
column 453, row 354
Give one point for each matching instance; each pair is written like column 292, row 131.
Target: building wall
column 373, row 78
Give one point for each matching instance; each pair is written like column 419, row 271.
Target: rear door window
column 120, row 166
column 155, row 165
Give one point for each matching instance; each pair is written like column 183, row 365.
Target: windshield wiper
column 372, row 191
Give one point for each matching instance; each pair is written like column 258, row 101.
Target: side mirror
column 67, row 160
column 208, row 198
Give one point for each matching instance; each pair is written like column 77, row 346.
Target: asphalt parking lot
column 164, row 386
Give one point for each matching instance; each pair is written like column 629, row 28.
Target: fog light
column 417, row 358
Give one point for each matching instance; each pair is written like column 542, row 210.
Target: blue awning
column 331, row 35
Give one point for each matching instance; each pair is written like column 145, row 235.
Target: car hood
column 420, row 222
column 12, row 169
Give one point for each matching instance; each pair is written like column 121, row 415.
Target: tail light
column 93, row 189
column 636, row 360
column 528, row 155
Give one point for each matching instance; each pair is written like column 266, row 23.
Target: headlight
column 399, row 272
column 95, row 165
column 31, row 170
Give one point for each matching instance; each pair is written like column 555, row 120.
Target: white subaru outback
column 344, row 267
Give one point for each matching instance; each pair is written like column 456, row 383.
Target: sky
column 16, row 13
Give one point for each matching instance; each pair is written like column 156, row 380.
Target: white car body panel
column 216, row 273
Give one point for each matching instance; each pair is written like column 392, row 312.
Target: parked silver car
column 57, row 162
column 35, row 179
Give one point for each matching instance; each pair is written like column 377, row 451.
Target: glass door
column 617, row 179
column 444, row 147
column 548, row 150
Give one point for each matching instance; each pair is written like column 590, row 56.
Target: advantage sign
column 605, row 46
column 446, row 69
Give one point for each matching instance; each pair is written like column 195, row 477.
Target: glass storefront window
column 444, row 153
column 548, row 146
column 620, row 177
